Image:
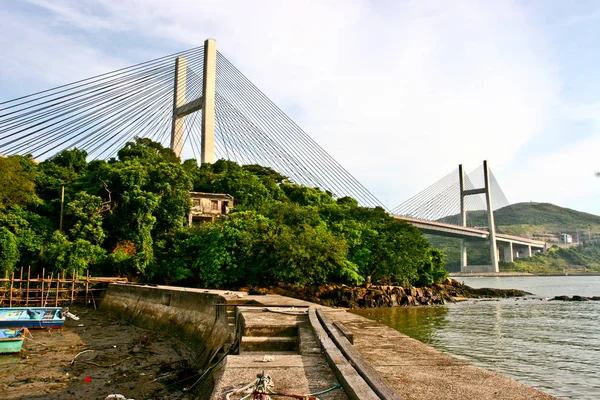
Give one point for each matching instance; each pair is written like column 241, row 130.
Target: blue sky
column 399, row 92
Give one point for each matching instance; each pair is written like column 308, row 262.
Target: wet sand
column 97, row 356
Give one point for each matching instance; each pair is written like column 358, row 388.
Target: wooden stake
column 10, row 297
column 87, row 280
column 27, row 292
column 21, row 287
column 72, row 286
column 48, row 292
column 42, row 291
column 57, row 289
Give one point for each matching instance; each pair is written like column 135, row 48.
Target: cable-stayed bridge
column 200, row 105
column 195, row 101
column 444, row 209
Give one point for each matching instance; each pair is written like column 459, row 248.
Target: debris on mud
column 96, row 357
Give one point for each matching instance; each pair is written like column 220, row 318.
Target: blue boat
column 32, row 317
column 11, row 340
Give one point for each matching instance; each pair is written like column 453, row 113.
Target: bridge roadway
column 465, row 232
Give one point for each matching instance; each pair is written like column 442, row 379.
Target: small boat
column 32, row 317
column 11, row 340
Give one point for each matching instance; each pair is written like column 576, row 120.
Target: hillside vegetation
column 127, row 216
column 580, row 259
column 542, row 221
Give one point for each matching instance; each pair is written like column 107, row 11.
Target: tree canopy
column 128, row 216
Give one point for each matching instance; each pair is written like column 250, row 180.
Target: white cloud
column 39, row 57
column 566, row 177
column 398, row 93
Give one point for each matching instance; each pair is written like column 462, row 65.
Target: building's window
column 214, row 205
column 197, row 202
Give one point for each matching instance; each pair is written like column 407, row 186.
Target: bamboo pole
column 48, row 292
column 21, row 287
column 57, row 289
column 27, row 292
column 42, row 291
column 72, row 286
column 10, row 296
column 87, row 283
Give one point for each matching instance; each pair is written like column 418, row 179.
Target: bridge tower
column 206, row 103
column 490, row 212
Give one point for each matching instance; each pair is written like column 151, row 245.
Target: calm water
column 553, row 346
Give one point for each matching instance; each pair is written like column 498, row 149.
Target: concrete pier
column 281, row 342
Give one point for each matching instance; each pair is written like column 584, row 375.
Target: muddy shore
column 97, row 356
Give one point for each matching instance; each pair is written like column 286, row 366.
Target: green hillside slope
column 542, row 221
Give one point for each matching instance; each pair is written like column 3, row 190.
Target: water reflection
column 420, row 323
column 553, row 346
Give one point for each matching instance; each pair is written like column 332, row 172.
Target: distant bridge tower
column 206, row 103
column 490, row 212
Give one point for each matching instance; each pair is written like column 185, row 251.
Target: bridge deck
column 465, row 232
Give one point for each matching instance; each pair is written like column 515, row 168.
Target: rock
column 579, row 298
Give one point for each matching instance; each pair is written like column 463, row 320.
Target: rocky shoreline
column 393, row 296
column 575, row 298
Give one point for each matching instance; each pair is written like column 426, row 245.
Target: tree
column 17, row 185
column 85, row 212
column 171, row 183
column 306, row 196
column 74, row 257
column 9, row 252
column 432, row 270
column 146, row 150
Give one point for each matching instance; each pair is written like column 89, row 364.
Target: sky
column 398, row 92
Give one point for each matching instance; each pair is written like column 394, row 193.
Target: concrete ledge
column 354, row 385
column 189, row 314
column 364, row 369
column 345, row 331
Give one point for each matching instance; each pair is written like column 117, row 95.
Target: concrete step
column 269, row 343
column 271, row 330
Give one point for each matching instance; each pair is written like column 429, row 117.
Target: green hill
column 544, row 214
column 542, row 221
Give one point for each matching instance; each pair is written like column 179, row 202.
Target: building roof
column 211, row 195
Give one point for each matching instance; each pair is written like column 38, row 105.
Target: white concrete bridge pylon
column 206, row 103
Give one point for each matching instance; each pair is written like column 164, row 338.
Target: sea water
column 553, row 346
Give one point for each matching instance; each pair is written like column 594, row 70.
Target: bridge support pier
column 464, row 259
column 208, row 97
column 509, row 252
column 206, row 103
column 491, row 222
column 177, row 127
column 486, row 190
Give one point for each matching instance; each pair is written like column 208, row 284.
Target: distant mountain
column 544, row 214
column 544, row 217
column 542, row 221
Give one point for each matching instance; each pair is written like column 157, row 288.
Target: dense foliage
column 128, row 216
column 541, row 221
column 535, row 214
column 582, row 258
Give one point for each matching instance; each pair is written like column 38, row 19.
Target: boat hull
column 32, row 324
column 11, row 341
column 11, row 345
column 32, row 317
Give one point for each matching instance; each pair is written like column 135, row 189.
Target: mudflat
column 97, row 356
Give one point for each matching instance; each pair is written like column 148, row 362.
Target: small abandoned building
column 208, row 206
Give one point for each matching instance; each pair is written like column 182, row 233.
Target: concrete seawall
column 287, row 348
column 188, row 313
